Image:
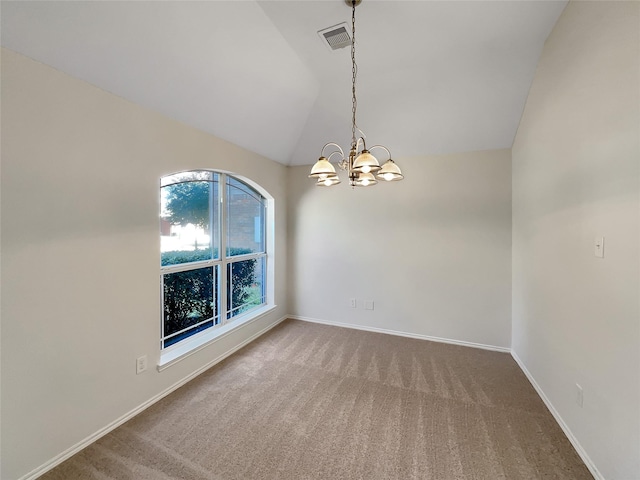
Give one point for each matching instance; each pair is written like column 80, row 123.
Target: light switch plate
column 599, row 247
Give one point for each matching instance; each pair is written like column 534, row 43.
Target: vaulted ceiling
column 433, row 76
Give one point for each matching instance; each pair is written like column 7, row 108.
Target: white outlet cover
column 579, row 395
column 141, row 364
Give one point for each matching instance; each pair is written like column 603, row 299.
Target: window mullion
column 214, row 215
column 248, row 256
column 222, row 291
column 183, row 267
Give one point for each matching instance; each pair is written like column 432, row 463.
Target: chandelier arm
column 383, row 147
column 335, row 153
column 335, row 145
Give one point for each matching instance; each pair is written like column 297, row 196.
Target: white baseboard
column 404, row 334
column 565, row 428
column 129, row 415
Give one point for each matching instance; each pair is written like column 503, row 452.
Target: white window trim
column 175, row 353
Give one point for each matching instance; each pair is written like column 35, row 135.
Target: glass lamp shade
column 366, row 163
column 390, row 172
column 322, row 169
column 365, row 180
column 329, row 181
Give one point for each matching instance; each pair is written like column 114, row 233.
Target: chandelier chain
column 354, row 69
column 363, row 169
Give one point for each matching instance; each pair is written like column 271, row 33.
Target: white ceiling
column 433, row 76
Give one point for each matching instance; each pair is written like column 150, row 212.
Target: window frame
column 223, row 320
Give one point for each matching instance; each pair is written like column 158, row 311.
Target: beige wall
column 576, row 159
column 79, row 232
column 432, row 251
column 80, row 256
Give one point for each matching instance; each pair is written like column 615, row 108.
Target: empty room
column 374, row 239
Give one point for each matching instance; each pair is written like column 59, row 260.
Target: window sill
column 208, row 337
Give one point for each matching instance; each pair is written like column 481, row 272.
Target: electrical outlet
column 141, row 364
column 368, row 305
column 579, row 395
column 353, row 303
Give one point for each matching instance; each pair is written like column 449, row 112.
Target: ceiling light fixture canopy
column 361, row 166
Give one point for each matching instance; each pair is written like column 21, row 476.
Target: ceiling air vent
column 336, row 37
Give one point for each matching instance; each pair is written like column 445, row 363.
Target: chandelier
column 361, row 166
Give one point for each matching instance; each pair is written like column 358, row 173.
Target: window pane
column 190, row 303
column 245, row 219
column 189, row 222
column 246, row 286
column 190, row 176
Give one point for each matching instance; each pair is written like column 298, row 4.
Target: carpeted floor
column 308, row 401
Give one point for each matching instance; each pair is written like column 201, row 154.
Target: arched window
column 213, row 252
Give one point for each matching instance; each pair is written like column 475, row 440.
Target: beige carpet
column 309, row 401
